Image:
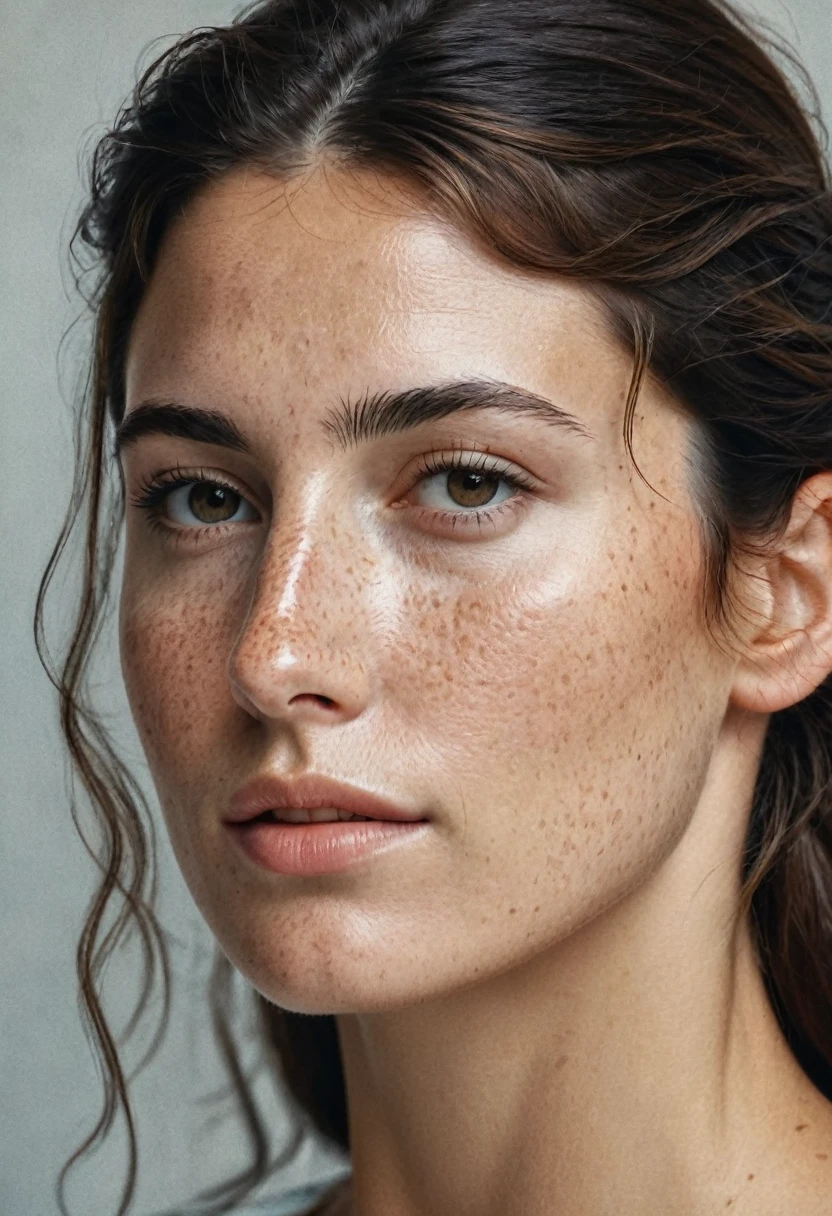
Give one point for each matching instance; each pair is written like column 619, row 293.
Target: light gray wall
column 64, row 67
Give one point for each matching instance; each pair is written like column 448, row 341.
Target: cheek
column 173, row 647
column 572, row 719
column 538, row 653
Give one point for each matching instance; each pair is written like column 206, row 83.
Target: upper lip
column 308, row 791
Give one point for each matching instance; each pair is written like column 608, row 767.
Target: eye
column 192, row 503
column 470, row 483
column 210, row 502
column 466, row 486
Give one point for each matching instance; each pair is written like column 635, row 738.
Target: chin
column 306, row 978
column 362, row 995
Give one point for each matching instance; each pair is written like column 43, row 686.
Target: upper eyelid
column 478, row 459
column 180, row 476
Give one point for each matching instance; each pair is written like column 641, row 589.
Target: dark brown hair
column 653, row 150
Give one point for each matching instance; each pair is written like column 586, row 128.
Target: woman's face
column 539, row 683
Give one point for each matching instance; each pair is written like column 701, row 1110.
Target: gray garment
column 292, row 1203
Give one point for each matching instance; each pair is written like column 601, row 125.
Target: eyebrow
column 374, row 416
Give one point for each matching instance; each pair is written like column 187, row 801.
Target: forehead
column 343, row 279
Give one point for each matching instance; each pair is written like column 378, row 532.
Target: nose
column 302, row 651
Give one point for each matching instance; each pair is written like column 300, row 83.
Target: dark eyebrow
column 372, row 417
column 389, row 412
column 182, row 421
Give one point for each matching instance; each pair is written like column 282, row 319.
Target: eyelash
column 154, row 491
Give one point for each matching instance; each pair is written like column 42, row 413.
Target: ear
column 787, row 649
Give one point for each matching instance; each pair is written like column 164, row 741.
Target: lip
column 309, row 791
column 306, row 849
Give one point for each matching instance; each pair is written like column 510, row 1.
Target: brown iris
column 468, row 484
column 213, row 504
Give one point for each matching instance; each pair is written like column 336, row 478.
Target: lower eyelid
column 475, row 522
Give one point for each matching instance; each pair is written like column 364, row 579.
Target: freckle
column 511, row 911
column 801, row 1126
column 750, row 1176
column 822, row 1156
column 537, row 907
column 604, row 795
column 623, row 586
column 730, row 1201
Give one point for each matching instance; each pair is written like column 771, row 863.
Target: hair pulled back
column 653, row 150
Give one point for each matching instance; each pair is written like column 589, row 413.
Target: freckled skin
column 438, row 647
column 547, row 692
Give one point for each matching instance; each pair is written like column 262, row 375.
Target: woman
column 467, row 371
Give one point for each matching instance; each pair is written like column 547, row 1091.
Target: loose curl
column 653, row 150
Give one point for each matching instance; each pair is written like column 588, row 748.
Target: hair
column 658, row 153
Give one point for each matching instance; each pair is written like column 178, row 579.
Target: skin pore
column 543, row 1005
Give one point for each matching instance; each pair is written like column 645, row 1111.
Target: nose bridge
column 302, row 631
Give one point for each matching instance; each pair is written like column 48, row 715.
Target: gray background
column 64, row 68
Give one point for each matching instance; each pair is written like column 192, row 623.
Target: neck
column 635, row 1068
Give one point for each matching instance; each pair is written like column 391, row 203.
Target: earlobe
column 789, row 653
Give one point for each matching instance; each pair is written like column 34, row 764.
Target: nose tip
column 322, row 687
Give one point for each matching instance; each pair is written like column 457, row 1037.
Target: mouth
column 313, row 798
column 289, row 816
column 319, row 840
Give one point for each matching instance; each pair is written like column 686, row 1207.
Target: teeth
column 322, row 814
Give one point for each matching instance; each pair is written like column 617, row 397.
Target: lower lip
column 321, row 848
